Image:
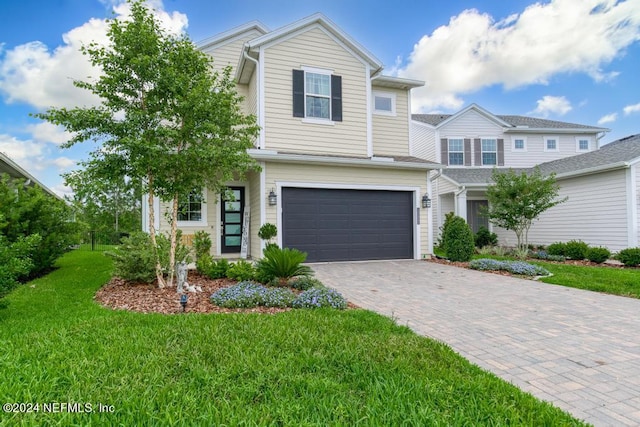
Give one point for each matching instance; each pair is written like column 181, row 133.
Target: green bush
column 206, row 266
column 576, row 249
column 15, row 261
column 598, row 254
column 241, row 271
column 268, row 231
column 459, row 240
column 442, row 243
column 201, row 244
column 305, row 282
column 485, row 238
column 557, row 248
column 629, row 257
column 282, row 264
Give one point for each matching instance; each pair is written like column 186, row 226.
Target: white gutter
column 258, row 98
column 588, row 171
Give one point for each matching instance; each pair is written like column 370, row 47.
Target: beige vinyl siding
column 443, row 202
column 228, row 52
column 253, row 200
column 391, row 133
column 251, row 99
column 596, row 212
column 314, row 48
column 348, row 176
column 636, row 167
column 423, row 141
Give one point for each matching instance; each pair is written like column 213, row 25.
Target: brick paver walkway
column 579, row 350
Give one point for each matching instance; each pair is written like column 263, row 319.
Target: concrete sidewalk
column 578, row 349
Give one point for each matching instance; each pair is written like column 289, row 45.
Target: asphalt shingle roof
column 515, row 121
column 617, row 152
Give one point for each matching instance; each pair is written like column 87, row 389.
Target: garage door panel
column 332, row 224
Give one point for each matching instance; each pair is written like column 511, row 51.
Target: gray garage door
column 348, row 225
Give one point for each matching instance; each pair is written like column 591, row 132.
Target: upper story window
column 456, row 151
column 489, row 151
column 583, row 144
column 190, row 207
column 519, row 143
column 317, row 95
column 551, row 143
column 384, row 103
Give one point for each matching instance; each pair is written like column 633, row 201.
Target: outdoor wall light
column 183, row 301
column 426, row 201
column 273, row 198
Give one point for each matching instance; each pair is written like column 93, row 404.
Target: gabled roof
column 615, row 155
column 511, row 123
column 226, row 36
column 14, row 170
column 252, row 47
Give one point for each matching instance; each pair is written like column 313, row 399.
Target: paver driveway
column 579, row 350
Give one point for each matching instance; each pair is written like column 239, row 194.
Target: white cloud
column 63, row 163
column 562, row 36
column 609, row 118
column 48, row 132
column 28, row 154
column 43, row 77
column 629, row 109
column 558, row 105
column 62, row 190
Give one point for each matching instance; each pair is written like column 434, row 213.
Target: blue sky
column 571, row 60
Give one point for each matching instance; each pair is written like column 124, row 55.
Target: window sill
column 384, row 113
column 192, row 223
column 318, row 121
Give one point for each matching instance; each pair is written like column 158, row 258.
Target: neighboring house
column 601, row 182
column 14, row 170
column 338, row 178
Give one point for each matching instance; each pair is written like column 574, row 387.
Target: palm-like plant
column 282, row 263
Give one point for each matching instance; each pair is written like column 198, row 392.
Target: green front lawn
column 303, row 367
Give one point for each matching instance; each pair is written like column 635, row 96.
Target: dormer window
column 317, row 95
column 583, row 143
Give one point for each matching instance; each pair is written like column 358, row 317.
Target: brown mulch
column 119, row 294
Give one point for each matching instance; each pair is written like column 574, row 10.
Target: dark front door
column 348, row 225
column 475, row 214
column 232, row 210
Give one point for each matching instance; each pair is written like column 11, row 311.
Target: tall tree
column 516, row 201
column 164, row 119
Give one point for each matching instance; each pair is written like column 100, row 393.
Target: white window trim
column 383, row 94
column 546, row 147
column 513, row 144
column 482, row 151
column 583, row 138
column 323, row 71
column 449, row 151
column 203, row 220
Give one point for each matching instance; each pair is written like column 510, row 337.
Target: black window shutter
column 336, row 98
column 444, row 151
column 477, row 148
column 500, row 152
column 298, row 93
column 467, row 152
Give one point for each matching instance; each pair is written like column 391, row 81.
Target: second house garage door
column 348, row 225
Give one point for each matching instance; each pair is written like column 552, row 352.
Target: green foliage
column 212, row 269
column 241, row 271
column 28, row 210
column 182, row 252
column 15, row 262
column 459, row 240
column 516, row 201
column 557, row 248
column 268, row 231
column 304, row 282
column 576, row 249
column 629, row 257
column 442, row 242
column 485, row 238
column 201, row 244
column 598, row 254
column 282, row 263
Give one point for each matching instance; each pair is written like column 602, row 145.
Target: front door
column 475, row 214
column 232, row 211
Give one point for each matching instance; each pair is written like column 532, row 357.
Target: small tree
column 516, row 201
column 459, row 240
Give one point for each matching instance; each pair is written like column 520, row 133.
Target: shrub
column 248, row 294
column 598, row 254
column 305, row 282
column 557, row 248
column 320, row 297
column 268, row 231
column 485, row 238
column 546, row 256
column 629, row 257
column 442, row 242
column 15, row 261
column 241, row 271
column 514, row 267
column 281, row 263
column 201, row 244
column 576, row 249
column 458, row 236
column 183, row 253
column 212, row 269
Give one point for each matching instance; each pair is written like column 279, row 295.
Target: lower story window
column 190, row 206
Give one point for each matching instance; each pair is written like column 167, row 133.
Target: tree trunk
column 174, row 239
column 152, row 234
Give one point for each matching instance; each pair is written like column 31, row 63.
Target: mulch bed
column 119, row 294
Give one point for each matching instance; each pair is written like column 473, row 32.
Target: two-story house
column 601, row 182
column 337, row 176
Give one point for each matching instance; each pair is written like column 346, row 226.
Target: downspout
column 430, row 212
column 245, row 54
column 599, row 137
